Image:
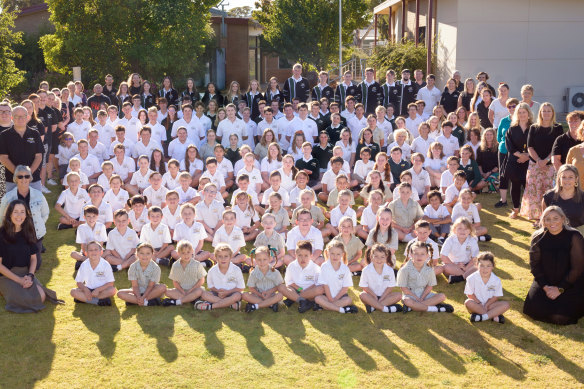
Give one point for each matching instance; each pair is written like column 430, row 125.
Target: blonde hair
column 223, row 247
column 335, row 244
column 465, row 222
column 183, row 245
column 515, row 118
column 539, row 116
column 495, row 145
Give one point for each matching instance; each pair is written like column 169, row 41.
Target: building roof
column 34, row 9
column 383, row 8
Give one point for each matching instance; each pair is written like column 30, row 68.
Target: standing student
column 296, row 86
column 391, row 92
column 407, row 92
column 265, row 283
column 252, row 98
column 95, row 279
column 322, row 89
column 378, row 280
column 274, row 94
column 344, row 89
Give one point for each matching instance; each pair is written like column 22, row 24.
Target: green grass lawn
column 84, row 346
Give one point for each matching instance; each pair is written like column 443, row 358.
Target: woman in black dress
column 556, row 258
column 18, row 256
column 517, row 155
column 488, row 159
column 568, row 196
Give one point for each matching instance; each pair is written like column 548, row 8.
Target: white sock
column 145, row 302
column 392, row 309
column 119, row 267
column 342, row 310
column 257, row 306
column 485, row 316
column 478, row 318
column 178, row 302
column 482, row 238
column 432, row 308
column 385, row 309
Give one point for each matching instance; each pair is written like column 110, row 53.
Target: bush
column 398, row 56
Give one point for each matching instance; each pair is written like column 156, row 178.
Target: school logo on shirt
column 237, row 236
column 341, row 276
column 100, row 274
column 491, row 288
column 410, row 89
column 308, row 278
column 160, row 232
column 374, row 89
column 30, row 140
column 386, row 277
column 394, row 91
column 79, row 197
column 232, row 279
column 468, row 248
column 301, row 85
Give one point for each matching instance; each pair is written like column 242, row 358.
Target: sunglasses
column 23, row 177
column 511, row 106
column 68, row 138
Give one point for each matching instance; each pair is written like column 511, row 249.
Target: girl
column 273, row 161
column 122, row 96
column 335, row 277
column 435, row 164
column 401, row 137
column 168, row 123
column 212, row 109
column 167, row 91
column 384, row 124
column 471, row 168
column 261, row 149
column 434, row 125
column 340, row 211
column 367, row 218
column 366, row 140
column 269, row 237
column 422, row 143
column 171, row 179
column 255, row 179
column 211, row 93
column 67, row 149
column 232, row 235
column 352, row 244
column 157, row 163
column 191, row 91
column 383, row 167
column 243, row 151
column 221, row 115
column 420, row 178
column 140, row 178
column 467, row 94
column 192, row 164
column 208, row 148
column 377, row 281
column 171, row 213
column 296, row 147
column 416, row 279
column 483, row 289
column 279, row 212
column 274, row 93
column 375, row 183
column 88, row 116
column 135, row 83
column 234, row 93
column 264, row 282
column 246, row 217
column 439, row 112
column 460, row 250
column 473, row 123
column 146, row 96
column 232, row 152
column 348, row 147
column 488, row 159
column 138, row 214
column 301, row 184
column 383, row 232
column 252, row 97
column 466, row 208
column 143, row 117
column 116, row 197
column 461, row 116
column 288, row 173
column 192, row 231
column 187, row 277
column 406, row 212
column 483, row 108
column 108, row 171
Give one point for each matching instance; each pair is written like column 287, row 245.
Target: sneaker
column 445, row 308
column 316, row 307
column 455, row 279
column 485, row 238
column 207, row 263
column 202, row 305
column 356, row 273
column 154, row 302
column 249, row 308
column 398, row 308
column 274, row 307
column 107, row 302
column 369, row 308
column 440, row 241
column 501, row 319
column 500, row 204
column 114, row 268
column 45, row 190
column 304, row 306
column 406, row 309
column 51, row 182
column 164, row 261
column 168, row 302
column 351, row 309
column 475, row 318
column 61, row 226
column 78, row 265
column 288, row 303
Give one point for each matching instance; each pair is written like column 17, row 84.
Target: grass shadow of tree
column 106, row 324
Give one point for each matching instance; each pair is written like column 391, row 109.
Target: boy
column 95, row 279
column 329, row 178
column 341, row 183
column 243, row 186
column 121, row 243
column 187, row 275
column 215, row 176
column 307, row 126
column 272, row 239
column 124, row 166
column 70, row 202
column 209, row 211
column 363, row 166
column 370, row 92
column 310, row 165
column 225, row 283
column 449, row 142
column 120, row 139
column 185, row 192
column 296, row 86
column 90, row 165
column 106, row 215
column 145, row 277
column 171, row 212
column 158, row 235
column 155, row 193
column 275, row 187
column 79, row 128
column 423, row 230
column 304, row 231
column 301, row 278
column 413, row 120
column 90, row 231
column 129, row 122
column 452, row 192
column 145, row 145
column 96, row 148
column 437, row 216
column 397, row 165
column 447, row 177
column 224, row 166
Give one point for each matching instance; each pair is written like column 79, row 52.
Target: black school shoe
column 274, row 307
column 107, row 302
column 406, row 309
column 501, row 319
column 398, row 308
column 164, row 262
column 500, row 204
column 369, row 308
column 207, row 263
column 316, row 307
column 168, row 302
column 485, row 238
column 288, row 303
column 154, row 302
column 304, row 306
column 129, row 304
column 455, row 279
column 250, row 308
column 61, row 226
column 356, row 273
column 445, row 308
column 351, row 309
column 114, row 268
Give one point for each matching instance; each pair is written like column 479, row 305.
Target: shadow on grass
column 104, row 321
column 208, row 325
column 157, row 323
column 250, row 327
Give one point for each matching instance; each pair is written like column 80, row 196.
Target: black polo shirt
column 323, row 156
column 311, row 165
column 563, row 144
column 21, row 150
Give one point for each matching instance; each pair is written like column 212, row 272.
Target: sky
column 239, row 3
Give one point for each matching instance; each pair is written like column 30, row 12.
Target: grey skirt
column 24, row 300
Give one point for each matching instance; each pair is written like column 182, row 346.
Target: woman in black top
column 147, row 98
column 135, row 84
column 483, row 108
column 465, row 96
column 18, row 256
column 556, row 258
column 568, row 196
column 211, row 93
column 167, row 91
column 191, row 91
column 449, row 99
column 122, row 96
column 323, row 151
column 274, row 93
column 540, row 173
column 366, row 140
column 233, row 94
column 517, row 155
column 488, row 159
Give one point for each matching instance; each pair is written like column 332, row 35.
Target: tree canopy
column 308, row 30
column 10, row 75
column 151, row 37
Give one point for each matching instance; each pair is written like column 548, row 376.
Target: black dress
column 516, row 141
column 466, row 98
column 556, row 260
column 483, row 112
column 574, row 210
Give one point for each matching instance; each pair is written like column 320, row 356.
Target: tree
column 240, row 12
column 10, row 75
column 308, row 30
column 398, row 56
column 151, row 37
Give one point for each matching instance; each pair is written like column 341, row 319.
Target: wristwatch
column 561, row 290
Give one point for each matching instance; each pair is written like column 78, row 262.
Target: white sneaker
column 45, row 190
column 51, row 182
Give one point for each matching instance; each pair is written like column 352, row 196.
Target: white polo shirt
column 193, row 234
column 244, row 218
column 255, row 178
column 362, row 169
column 106, row 133
column 269, row 167
column 158, row 132
column 141, row 180
column 82, row 176
column 420, row 181
column 194, row 129
column 412, row 125
column 193, row 166
column 335, row 279
column 337, row 215
column 104, row 182
column 116, row 201
column 138, row 221
column 378, row 283
column 450, row 144
column 79, row 131
column 252, row 194
column 431, row 97
column 140, row 148
column 123, row 244
column 314, row 236
column 106, row 213
column 483, row 291
column 420, row 145
column 225, row 167
column 99, row 151
column 286, row 129
column 86, row 234
column 460, row 252
column 94, row 278
column 227, row 127
column 218, row 179
column 188, row 195
column 356, row 125
column 288, row 182
column 434, row 245
column 472, row 213
column 232, row 279
column 73, row 203
column 235, row 239
column 90, row 165
column 169, row 182
column 155, row 197
column 124, row 168
column 210, row 214
column 285, row 196
column 309, row 129
column 128, row 144
column 439, row 213
column 347, row 149
column 131, row 125
column 368, row 218
column 295, row 195
column 205, row 123
column 450, row 193
column 177, row 150
column 66, row 153
column 170, row 219
column 156, row 237
column 330, row 179
column 304, row 278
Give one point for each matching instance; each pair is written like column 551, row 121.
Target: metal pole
column 375, row 35
column 429, row 38
column 389, row 32
column 417, row 22
column 340, row 37
column 403, row 26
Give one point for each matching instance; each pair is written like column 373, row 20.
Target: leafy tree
column 20, row 4
column 151, row 37
column 10, row 75
column 240, row 12
column 308, row 30
column 398, row 56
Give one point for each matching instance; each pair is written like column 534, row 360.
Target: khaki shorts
column 407, row 296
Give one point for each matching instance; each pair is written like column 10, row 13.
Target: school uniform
column 439, row 213
column 417, row 281
column 483, row 291
column 343, row 90
column 205, row 123
column 398, row 168
column 311, row 164
column 171, row 95
column 287, row 182
column 451, row 193
column 251, row 129
column 352, row 248
column 86, row 234
column 387, row 129
column 138, row 221
column 116, row 201
column 302, row 277
column 235, row 239
column 321, row 122
column 158, row 133
column 356, row 124
column 89, row 165
column 274, row 96
column 99, row 151
column 64, row 155
column 320, row 91
column 315, row 211
column 296, row 88
column 377, row 283
column 131, row 125
column 188, row 276
column 333, row 198
column 171, row 219
column 194, row 233
column 95, row 278
column 391, row 95
column 314, row 236
column 231, row 279
column 407, row 94
column 105, row 215
column 334, row 133
column 286, row 129
column 383, row 238
column 73, row 203
column 255, row 178
column 122, row 244
column 368, row 218
column 127, row 143
column 82, row 177
column 413, row 124
column 337, row 215
column 210, row 214
column 309, row 128
column 460, row 252
column 414, row 196
column 434, row 245
column 144, row 276
column 140, row 148
column 362, row 169
column 193, row 127
column 374, row 147
column 431, row 97
column 177, row 149
column 275, row 241
column 227, row 127
column 124, row 168
column 450, row 144
column 472, row 213
column 188, row 195
column 225, row 167
column 295, row 194
column 420, row 180
column 252, row 102
column 336, row 280
column 141, row 180
column 370, row 95
column 420, row 145
column 264, row 282
column 285, row 196
column 79, row 130
column 155, row 197
column 157, row 237
column 244, row 218
column 404, row 215
column 282, row 219
column 103, row 181
column 447, row 179
column 170, row 182
column 251, row 193
column 197, row 164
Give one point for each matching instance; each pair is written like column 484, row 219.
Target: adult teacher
column 35, row 201
column 556, row 258
column 18, row 255
column 567, row 195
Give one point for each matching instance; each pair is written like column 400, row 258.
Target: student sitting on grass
column 342, row 210
column 307, row 202
column 138, row 214
column 246, row 216
column 243, row 186
column 352, row 244
column 423, row 230
column 406, row 177
column 416, row 279
column 483, row 289
column 406, row 212
column 90, row 231
column 215, row 176
column 272, row 239
column 140, row 178
column 224, row 281
column 116, row 197
column 275, row 187
column 186, row 193
column 342, row 183
column 383, row 232
column 301, row 184
column 209, row 211
column 190, row 230
column 170, row 179
column 265, row 283
column 329, row 178
column 231, row 235
column 121, row 243
column 304, row 231
column 75, row 166
column 158, row 235
column 106, row 215
column 70, row 202
column 378, row 280
column 301, row 278
column 281, row 214
column 363, row 165
column 375, row 183
column 368, row 217
column 437, row 216
column 171, row 212
column 335, row 278
column 187, row 275
column 466, row 208
column 460, row 250
column 453, row 191
column 95, row 279
column 144, row 275
column 156, row 192
column 108, row 172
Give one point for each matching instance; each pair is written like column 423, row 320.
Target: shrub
column 398, row 56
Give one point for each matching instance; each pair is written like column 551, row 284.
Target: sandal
column 203, row 305
column 514, row 214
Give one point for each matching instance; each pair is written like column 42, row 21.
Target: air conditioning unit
column 575, row 99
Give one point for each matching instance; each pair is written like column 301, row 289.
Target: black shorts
column 56, row 139
column 216, row 294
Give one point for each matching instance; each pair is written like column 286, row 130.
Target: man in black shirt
column 296, row 86
column 419, row 79
column 109, row 90
column 20, row 145
column 565, row 142
column 322, row 154
column 344, row 89
column 407, row 92
column 369, row 92
column 97, row 99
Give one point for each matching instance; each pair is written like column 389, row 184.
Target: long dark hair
column 376, row 229
column 9, row 229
